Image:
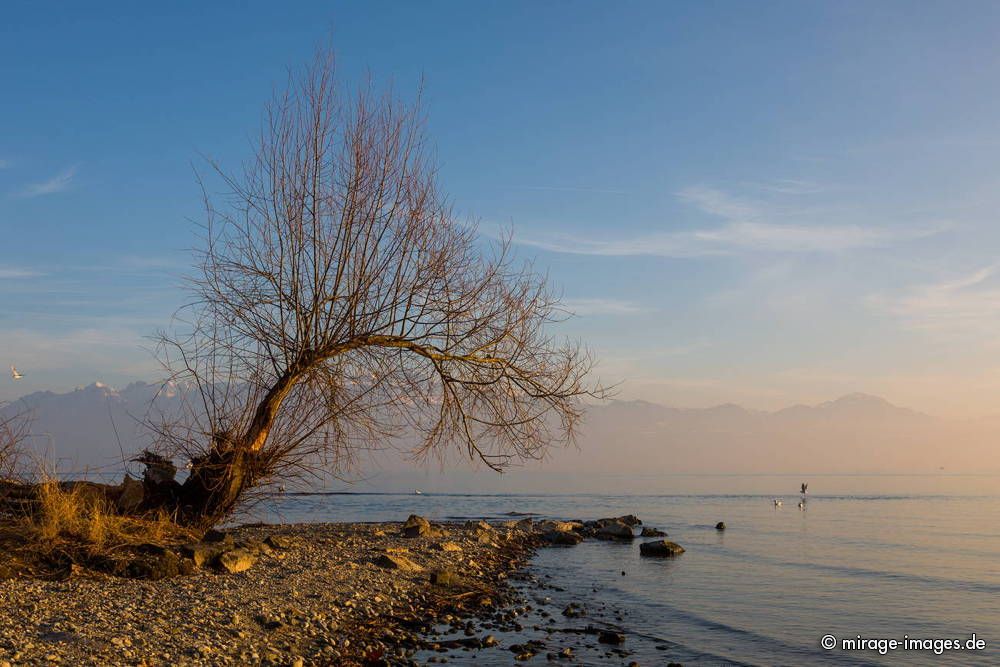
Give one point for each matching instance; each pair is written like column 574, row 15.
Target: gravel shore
column 335, row 594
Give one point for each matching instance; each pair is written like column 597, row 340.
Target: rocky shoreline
column 306, row 594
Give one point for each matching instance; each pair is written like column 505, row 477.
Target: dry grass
column 74, row 525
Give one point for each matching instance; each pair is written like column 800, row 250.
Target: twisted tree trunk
column 219, row 478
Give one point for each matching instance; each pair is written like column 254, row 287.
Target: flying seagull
column 804, row 487
column 15, row 374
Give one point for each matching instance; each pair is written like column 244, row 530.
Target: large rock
column 630, row 520
column 156, row 563
column 201, row 553
column 663, row 548
column 416, row 526
column 236, row 560
column 219, row 537
column 447, row 546
column 393, row 561
column 615, row 530
column 131, row 495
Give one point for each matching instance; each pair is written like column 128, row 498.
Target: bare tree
column 340, row 303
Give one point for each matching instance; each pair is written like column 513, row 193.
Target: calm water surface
column 768, row 588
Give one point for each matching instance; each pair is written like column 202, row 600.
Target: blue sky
column 754, row 202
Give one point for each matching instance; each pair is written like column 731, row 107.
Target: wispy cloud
column 5, row 164
column 718, row 203
column 968, row 304
column 728, row 240
column 788, row 186
column 746, row 227
column 600, row 307
column 58, row 183
column 13, row 272
column 556, row 188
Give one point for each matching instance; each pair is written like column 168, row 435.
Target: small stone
column 396, row 562
column 445, row 578
column 282, row 542
column 478, row 525
column 609, row 637
column 236, row 560
column 721, row 525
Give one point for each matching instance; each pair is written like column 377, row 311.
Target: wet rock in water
column 609, row 637
column 445, row 578
column 416, row 526
column 391, row 561
column 630, row 520
column 562, row 538
column 573, row 610
column 615, row 530
column 489, row 641
column 660, row 548
column 652, row 532
column 721, row 525
column 236, row 560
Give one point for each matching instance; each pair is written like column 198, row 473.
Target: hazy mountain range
column 856, row 433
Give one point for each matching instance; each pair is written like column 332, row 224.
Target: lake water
column 768, row 588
